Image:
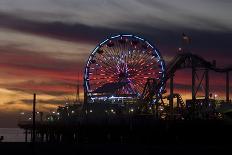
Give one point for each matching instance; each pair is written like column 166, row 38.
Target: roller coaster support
column 193, row 83
column 227, row 87
column 206, row 85
column 171, row 95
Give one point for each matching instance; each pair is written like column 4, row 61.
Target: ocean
column 12, row 134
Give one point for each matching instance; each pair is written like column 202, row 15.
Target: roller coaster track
column 180, row 102
column 181, row 61
column 189, row 60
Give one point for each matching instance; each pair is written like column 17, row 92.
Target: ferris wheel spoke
column 138, row 85
column 137, row 63
column 136, row 88
column 121, row 54
column 113, row 52
column 101, row 71
column 143, row 71
column 107, row 65
column 109, row 51
column 124, row 58
column 103, row 78
column 142, row 61
column 149, row 62
column 106, row 59
column 110, row 54
column 146, row 67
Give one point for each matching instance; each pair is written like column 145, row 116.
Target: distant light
column 112, row 110
column 219, row 115
column 91, row 110
column 58, row 113
column 53, row 112
column 161, row 108
column 216, row 95
column 29, row 118
column 22, row 113
column 73, row 112
column 112, row 97
column 37, row 112
column 163, row 116
column 131, row 110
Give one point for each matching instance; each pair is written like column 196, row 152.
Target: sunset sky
column 44, row 44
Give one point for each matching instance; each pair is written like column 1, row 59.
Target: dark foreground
column 71, row 149
column 137, row 137
column 144, row 131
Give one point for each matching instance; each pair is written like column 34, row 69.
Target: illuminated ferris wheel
column 120, row 67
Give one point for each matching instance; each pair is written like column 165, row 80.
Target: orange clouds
column 32, row 64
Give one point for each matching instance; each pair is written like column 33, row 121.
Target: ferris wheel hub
column 123, row 75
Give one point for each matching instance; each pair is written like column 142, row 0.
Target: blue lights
column 130, row 61
column 149, row 44
column 139, row 38
column 115, row 36
column 103, row 42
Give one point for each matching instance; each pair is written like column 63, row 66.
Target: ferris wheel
column 121, row 65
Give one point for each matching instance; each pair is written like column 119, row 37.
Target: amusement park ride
column 125, row 97
column 120, row 69
column 128, row 72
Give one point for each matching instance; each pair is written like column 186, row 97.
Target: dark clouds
column 197, row 14
column 77, row 32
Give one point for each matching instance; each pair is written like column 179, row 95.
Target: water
column 12, row 134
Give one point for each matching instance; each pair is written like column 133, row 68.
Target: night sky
column 44, row 44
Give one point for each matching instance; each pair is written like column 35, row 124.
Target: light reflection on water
column 12, row 134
